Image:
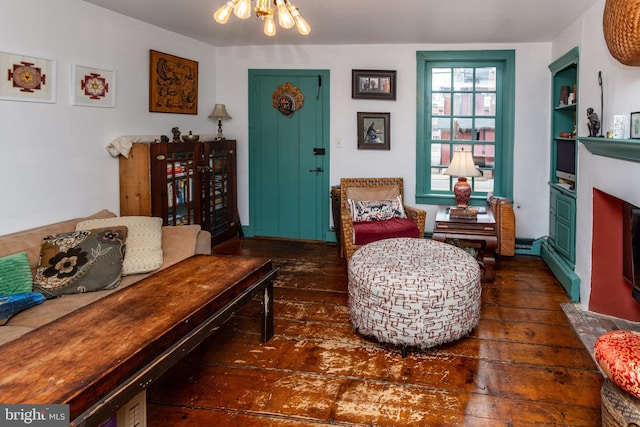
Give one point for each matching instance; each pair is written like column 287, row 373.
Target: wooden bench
column 100, row 356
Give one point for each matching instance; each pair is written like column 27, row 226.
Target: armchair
column 371, row 189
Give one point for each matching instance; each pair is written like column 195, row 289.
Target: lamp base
column 220, row 136
column 462, row 191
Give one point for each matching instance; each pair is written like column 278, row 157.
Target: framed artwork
column 373, row 84
column 26, row 78
column 635, row 125
column 373, row 131
column 173, row 84
column 93, row 87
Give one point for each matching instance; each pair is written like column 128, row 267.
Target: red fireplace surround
column 610, row 292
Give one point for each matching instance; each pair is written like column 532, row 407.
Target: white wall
column 532, row 116
column 55, row 164
column 58, row 150
column 621, row 88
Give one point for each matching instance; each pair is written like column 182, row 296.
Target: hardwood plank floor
column 523, row 365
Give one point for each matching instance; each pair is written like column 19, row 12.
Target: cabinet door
column 176, row 182
column 565, row 213
column 219, row 190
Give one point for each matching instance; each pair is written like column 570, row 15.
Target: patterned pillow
column 15, row 274
column 376, row 210
column 80, row 261
column 144, row 241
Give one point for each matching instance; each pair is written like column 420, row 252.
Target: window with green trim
column 465, row 101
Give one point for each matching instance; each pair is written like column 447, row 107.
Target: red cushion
column 618, row 354
column 371, row 231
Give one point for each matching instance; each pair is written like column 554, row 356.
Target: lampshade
column 220, row 113
column 462, row 166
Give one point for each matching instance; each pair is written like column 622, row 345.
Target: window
column 465, row 100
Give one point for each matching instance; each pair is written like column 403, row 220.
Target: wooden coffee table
column 481, row 233
column 97, row 358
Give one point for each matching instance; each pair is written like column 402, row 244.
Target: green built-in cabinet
column 559, row 248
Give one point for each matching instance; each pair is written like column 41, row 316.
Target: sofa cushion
column 80, row 261
column 31, row 239
column 376, row 210
column 367, row 232
column 12, row 304
column 144, row 241
column 15, row 274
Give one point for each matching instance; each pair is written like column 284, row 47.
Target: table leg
column 489, row 261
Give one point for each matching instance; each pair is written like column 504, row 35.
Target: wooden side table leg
column 489, row 261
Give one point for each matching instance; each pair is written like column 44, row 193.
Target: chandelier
column 288, row 14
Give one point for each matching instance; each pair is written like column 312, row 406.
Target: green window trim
column 504, row 60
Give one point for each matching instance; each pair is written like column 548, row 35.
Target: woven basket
column 621, row 26
column 619, row 408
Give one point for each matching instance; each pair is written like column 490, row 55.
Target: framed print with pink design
column 27, row 78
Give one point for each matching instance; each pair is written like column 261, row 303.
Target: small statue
column 593, row 123
column 176, row 134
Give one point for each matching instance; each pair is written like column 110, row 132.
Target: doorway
column 289, row 154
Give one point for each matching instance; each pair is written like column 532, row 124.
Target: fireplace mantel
column 623, row 149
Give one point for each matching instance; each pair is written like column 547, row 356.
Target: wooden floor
column 523, row 365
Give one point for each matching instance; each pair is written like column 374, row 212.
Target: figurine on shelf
column 593, row 123
column 176, row 134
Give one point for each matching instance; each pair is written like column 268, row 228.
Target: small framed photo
column 373, row 84
column 373, row 131
column 27, row 78
column 635, row 125
column 93, row 87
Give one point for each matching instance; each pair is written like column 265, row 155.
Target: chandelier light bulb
column 243, row 9
column 222, row 15
column 284, row 17
column 303, row 26
column 288, row 14
column 269, row 26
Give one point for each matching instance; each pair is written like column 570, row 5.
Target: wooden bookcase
column 182, row 183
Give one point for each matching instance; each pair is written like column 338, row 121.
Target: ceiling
column 368, row 21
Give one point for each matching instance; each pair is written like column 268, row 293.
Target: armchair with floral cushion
column 373, row 209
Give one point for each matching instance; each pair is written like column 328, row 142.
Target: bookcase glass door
column 180, row 163
column 180, row 188
column 219, row 202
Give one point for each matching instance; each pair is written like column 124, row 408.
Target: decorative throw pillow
column 14, row 304
column 376, row 210
column 80, row 261
column 15, row 274
column 144, row 241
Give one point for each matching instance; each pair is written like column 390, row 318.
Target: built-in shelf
column 623, row 149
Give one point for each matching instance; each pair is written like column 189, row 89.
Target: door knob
column 316, row 170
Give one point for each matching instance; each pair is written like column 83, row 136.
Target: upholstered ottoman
column 413, row 292
column 618, row 354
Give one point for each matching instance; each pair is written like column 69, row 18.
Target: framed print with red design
column 27, row 78
column 93, row 87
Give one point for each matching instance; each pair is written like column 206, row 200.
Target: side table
column 480, row 231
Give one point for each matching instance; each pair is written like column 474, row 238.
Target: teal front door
column 289, row 154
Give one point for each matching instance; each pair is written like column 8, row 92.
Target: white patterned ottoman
column 413, row 292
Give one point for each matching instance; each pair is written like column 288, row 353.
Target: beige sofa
column 178, row 243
